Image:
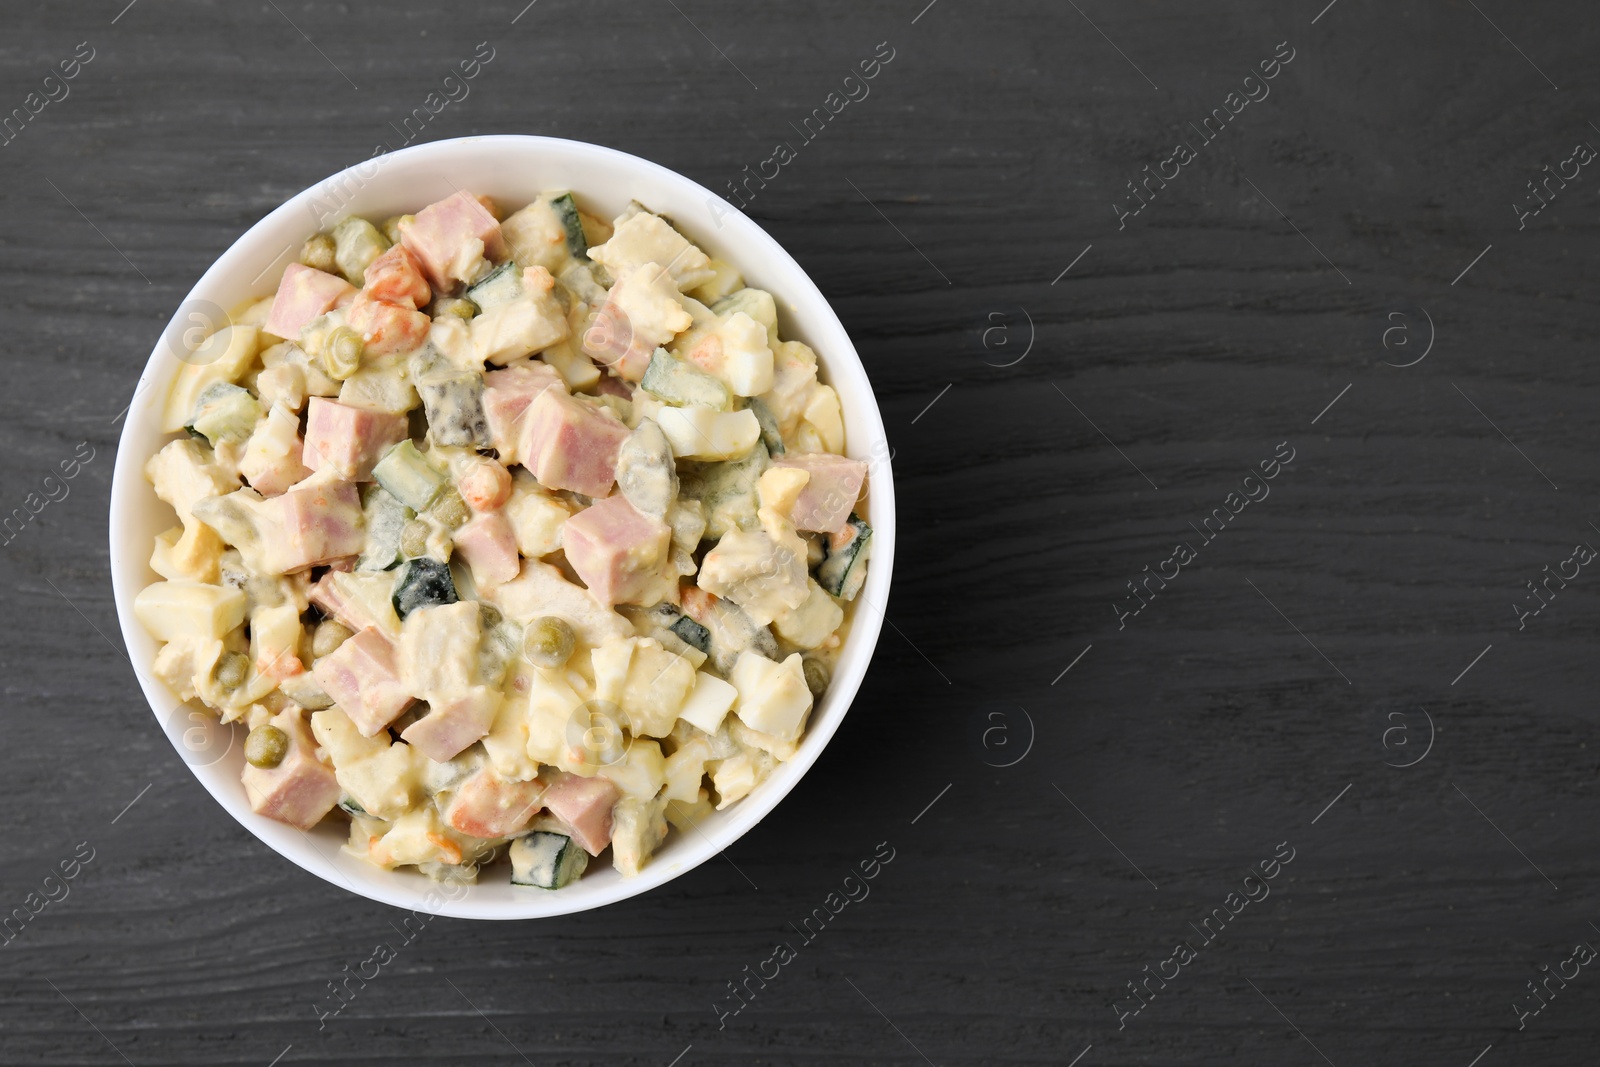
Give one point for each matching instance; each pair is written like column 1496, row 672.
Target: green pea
column 266, row 746
column 342, row 350
column 548, row 642
column 231, row 669
column 414, row 539
column 328, row 636
column 817, row 676
column 318, row 254
column 460, row 307
column 450, row 509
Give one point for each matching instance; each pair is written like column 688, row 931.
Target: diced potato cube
column 773, row 697
column 685, row 768
column 708, row 704
column 536, row 517
column 699, row 432
column 177, row 608
column 657, row 684
column 641, row 772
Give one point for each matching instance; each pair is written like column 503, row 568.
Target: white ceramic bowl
column 513, row 170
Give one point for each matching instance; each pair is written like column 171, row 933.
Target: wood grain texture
column 1219, row 722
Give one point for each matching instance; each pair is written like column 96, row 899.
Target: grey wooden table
column 1187, row 751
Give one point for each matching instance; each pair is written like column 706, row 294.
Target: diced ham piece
column 361, row 676
column 824, row 504
column 642, row 310
column 300, row 790
column 336, row 602
column 451, row 238
column 304, row 294
column 487, row 805
column 506, row 396
column 569, row 444
column 489, row 545
column 384, row 327
column 396, row 278
column 617, row 550
column 584, row 804
column 348, row 440
column 451, row 725
column 313, row 525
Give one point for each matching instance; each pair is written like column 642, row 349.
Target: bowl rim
column 130, row 493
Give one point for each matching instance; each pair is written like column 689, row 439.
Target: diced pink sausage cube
column 616, row 549
column 451, row 235
column 300, row 790
column 489, row 545
column 451, row 725
column 568, row 444
column 361, row 677
column 315, row 525
column 304, row 294
column 584, row 804
column 333, row 598
column 506, row 396
column 824, row 504
column 347, row 439
column 487, row 805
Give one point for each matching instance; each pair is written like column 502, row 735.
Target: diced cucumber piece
column 732, row 631
column 844, row 568
column 546, row 860
column 657, row 623
column 582, row 280
column 728, row 491
column 771, row 436
column 225, row 412
column 692, row 633
column 423, row 582
column 386, row 517
column 499, row 646
column 407, row 475
column 758, row 304
column 454, row 407
column 679, row 382
column 348, row 804
column 232, row 516
column 500, row 286
column 646, row 472
column 356, row 243
column 566, row 210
